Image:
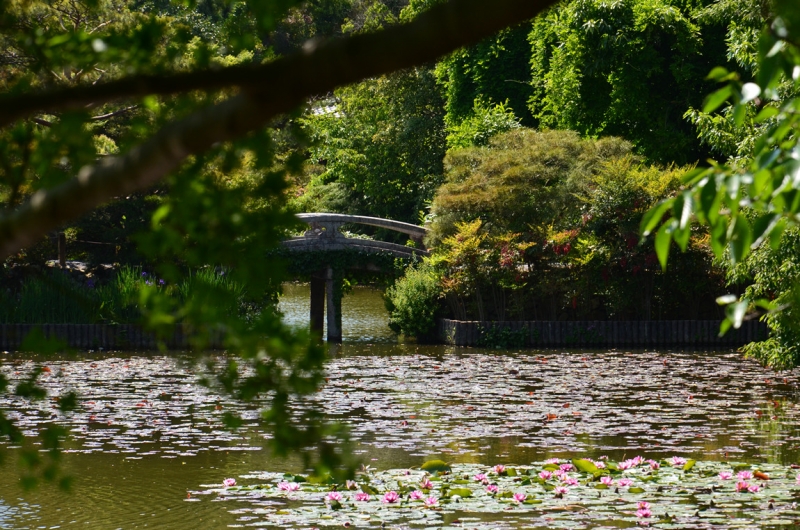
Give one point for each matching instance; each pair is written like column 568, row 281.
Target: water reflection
column 146, row 433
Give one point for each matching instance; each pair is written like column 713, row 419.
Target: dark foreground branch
column 269, row 90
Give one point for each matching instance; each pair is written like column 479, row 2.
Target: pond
column 147, row 449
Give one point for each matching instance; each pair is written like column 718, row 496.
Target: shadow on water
column 146, row 433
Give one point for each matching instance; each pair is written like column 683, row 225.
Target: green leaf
column 635, row 489
column 765, row 114
column 740, row 238
column 663, row 240
column 763, row 227
column 585, row 466
column 653, row 216
column 435, row 466
column 461, row 492
column 717, row 74
column 689, row 465
column 739, row 114
column 717, row 98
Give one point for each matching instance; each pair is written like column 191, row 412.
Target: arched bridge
column 324, row 234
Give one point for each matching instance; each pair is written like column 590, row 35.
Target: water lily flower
column 551, row 461
column 431, row 501
column 644, row 513
column 644, row 505
column 228, row 482
column 499, row 469
column 602, row 457
column 653, row 464
column 480, row 477
column 416, row 495
column 742, row 486
column 606, row 480
column 599, row 465
column 626, row 464
column 558, row 472
column 361, row 496
column 350, row 484
column 624, row 482
column 566, row 467
column 390, row 497
column 725, row 475
column 547, row 475
column 288, row 486
column 569, row 481
column 678, row 461
column 753, row 488
column 744, row 475
column 637, row 460
column 334, row 496
column 519, row 497
column 426, row 484
column 492, row 488
column 560, row 490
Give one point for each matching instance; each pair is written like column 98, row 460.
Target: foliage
column 414, row 302
column 502, row 337
column 476, row 130
column 379, row 148
column 748, row 202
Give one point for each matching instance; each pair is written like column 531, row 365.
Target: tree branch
column 271, row 89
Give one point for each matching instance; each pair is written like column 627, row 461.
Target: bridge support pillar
column 334, row 295
column 318, row 304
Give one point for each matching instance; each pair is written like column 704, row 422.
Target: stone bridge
column 324, row 234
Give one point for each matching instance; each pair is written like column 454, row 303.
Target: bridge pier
column 317, row 304
column 333, row 288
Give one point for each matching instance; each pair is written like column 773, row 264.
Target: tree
column 70, row 64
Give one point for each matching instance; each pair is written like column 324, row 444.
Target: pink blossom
column 558, row 472
column 390, row 497
column 644, row 512
column 599, row 465
column 644, row 505
column 626, row 464
column 416, row 495
column 742, row 486
column 350, row 484
column 499, row 469
column 624, row 482
column 606, row 480
column 569, row 481
column 334, row 496
column 560, row 490
column 637, row 460
column 228, row 482
column 566, row 467
column 492, row 488
column 480, row 477
column 519, row 497
column 744, row 475
column 431, row 501
column 602, row 457
column 361, row 496
column 289, row 486
column 426, row 484
column 551, row 461
column 678, row 461
column 753, row 488
column 653, row 464
column 546, row 475
column 725, row 475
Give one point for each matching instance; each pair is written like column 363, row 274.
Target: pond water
column 147, row 435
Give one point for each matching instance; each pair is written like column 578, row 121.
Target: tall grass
column 56, row 298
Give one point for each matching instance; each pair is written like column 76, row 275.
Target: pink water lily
column 334, row 496
column 644, row 513
column 431, row 501
column 725, row 475
column 426, row 484
column 599, row 465
column 390, row 497
column 288, row 486
column 551, row 461
column 499, row 469
column 480, row 477
column 547, row 475
column 558, row 472
column 744, row 475
column 678, row 461
column 566, row 467
column 560, row 490
column 624, row 482
column 351, row 484
column 644, row 505
column 361, row 496
column 519, row 497
column 637, row 460
column 606, row 480
column 626, row 464
column 492, row 488
column 416, row 495
column 569, row 481
column 653, row 464
column 228, row 482
column 753, row 488
column 742, row 486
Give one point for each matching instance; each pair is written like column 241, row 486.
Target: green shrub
column 414, row 302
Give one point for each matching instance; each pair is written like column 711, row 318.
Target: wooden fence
column 653, row 333
column 101, row 336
